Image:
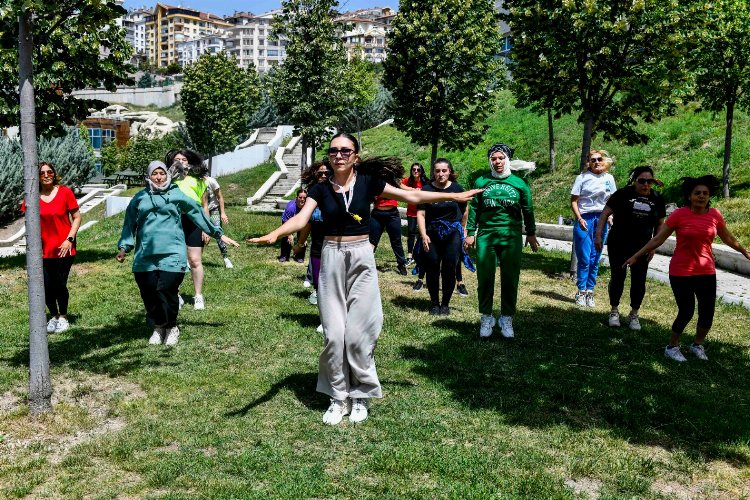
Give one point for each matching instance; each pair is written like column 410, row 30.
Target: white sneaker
column 228, row 263
column 313, row 298
column 62, row 325
column 198, row 303
column 699, row 351
column 581, row 298
column 157, row 337
column 674, row 353
column 614, row 319
column 634, row 322
column 590, row 299
column 173, row 335
column 319, row 329
column 336, row 412
column 485, row 326
column 307, row 284
column 181, row 301
column 359, row 410
column 506, row 326
column 52, row 325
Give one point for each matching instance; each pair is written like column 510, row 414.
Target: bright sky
column 226, row 7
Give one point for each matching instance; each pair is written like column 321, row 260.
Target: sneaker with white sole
column 198, row 303
column 614, row 319
column 699, row 351
column 673, row 352
column 313, row 298
column 306, row 284
column 581, row 298
column 180, row 301
column 62, row 325
column 633, row 322
column 506, row 326
column 359, row 410
column 486, row 323
column 157, row 337
column 590, row 299
column 337, row 411
column 173, row 335
column 52, row 325
column 417, row 286
column 228, row 263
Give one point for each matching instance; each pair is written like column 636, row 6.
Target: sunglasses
column 646, row 181
column 345, row 152
column 323, row 173
column 597, row 159
column 46, row 173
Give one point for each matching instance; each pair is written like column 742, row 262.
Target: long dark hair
column 633, row 175
column 195, row 161
column 690, row 183
column 423, row 180
column 452, row 177
column 388, row 168
column 309, row 176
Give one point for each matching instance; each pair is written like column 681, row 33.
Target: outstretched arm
column 291, row 226
column 416, row 197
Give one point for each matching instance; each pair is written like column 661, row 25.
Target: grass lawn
column 570, row 408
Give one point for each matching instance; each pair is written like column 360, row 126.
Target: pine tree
column 70, row 154
column 11, row 179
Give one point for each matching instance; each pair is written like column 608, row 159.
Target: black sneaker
column 417, row 286
column 402, row 270
column 462, row 291
column 435, row 311
column 445, row 311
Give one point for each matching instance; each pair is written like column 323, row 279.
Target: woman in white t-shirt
column 589, row 195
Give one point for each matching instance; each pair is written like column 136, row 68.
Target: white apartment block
column 135, row 28
column 248, row 40
column 189, row 51
column 365, row 34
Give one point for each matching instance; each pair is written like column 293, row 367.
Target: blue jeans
column 586, row 252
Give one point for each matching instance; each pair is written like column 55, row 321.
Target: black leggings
column 159, row 293
column 412, row 234
column 56, row 272
column 440, row 261
column 617, row 257
column 688, row 288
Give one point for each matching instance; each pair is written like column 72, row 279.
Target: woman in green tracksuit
column 495, row 221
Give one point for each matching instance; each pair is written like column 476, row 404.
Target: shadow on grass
column 562, row 369
column 85, row 256
column 420, row 303
column 301, row 384
column 305, row 320
column 113, row 349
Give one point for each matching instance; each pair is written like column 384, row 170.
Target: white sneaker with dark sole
column 359, row 410
column 337, row 411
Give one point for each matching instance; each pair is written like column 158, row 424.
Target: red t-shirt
column 693, row 254
column 382, row 203
column 411, row 210
column 56, row 221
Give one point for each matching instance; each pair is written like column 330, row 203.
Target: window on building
column 100, row 137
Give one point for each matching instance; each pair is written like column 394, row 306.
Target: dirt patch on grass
column 585, row 486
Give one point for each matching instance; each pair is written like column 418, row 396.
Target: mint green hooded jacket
column 152, row 227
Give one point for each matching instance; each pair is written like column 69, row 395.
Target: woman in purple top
column 292, row 209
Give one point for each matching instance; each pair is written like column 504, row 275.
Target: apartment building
column 189, row 51
column 365, row 34
column 170, row 25
column 135, row 28
column 248, row 40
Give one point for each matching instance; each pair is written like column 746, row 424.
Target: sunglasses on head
column 345, row 152
column 596, row 159
column 645, row 181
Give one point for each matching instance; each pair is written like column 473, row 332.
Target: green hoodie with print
column 501, row 208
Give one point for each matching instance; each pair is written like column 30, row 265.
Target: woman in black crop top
column 348, row 292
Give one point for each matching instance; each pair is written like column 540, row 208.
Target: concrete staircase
column 265, row 135
column 286, row 183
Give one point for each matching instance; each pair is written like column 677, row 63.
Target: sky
column 226, row 7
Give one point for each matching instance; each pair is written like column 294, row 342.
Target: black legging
column 56, row 272
column 688, row 288
column 440, row 261
column 617, row 257
column 412, row 233
column 159, row 291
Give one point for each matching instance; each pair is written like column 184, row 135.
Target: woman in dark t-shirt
column 637, row 212
column 348, row 294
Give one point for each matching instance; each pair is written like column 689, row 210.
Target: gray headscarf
column 161, row 187
column 508, row 151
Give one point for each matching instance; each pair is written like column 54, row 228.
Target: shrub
column 11, row 179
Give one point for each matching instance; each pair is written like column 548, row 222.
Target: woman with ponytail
column 348, row 294
column 638, row 212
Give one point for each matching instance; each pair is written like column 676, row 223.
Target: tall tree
column 441, row 68
column 362, row 88
column 612, row 62
column 218, row 98
column 722, row 66
column 310, row 88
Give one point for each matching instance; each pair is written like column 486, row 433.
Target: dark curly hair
column 309, row 176
column 195, row 161
column 690, row 183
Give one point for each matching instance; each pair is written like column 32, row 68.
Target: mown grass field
column 569, row 409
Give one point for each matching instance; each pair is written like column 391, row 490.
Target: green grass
column 238, row 187
column 689, row 143
column 231, row 412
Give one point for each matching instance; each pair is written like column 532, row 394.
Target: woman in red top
column 60, row 220
column 385, row 216
column 414, row 182
column 692, row 273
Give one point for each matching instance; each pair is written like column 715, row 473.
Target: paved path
column 731, row 288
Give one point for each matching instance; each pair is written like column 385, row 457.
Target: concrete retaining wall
column 161, row 97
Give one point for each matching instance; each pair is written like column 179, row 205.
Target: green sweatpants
column 494, row 249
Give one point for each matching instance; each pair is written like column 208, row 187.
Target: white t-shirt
column 213, row 202
column 593, row 191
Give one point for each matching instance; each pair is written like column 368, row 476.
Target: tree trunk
column 40, row 385
column 588, row 128
column 359, row 131
column 303, row 157
column 433, row 155
column 727, row 149
column 210, row 165
column 551, row 133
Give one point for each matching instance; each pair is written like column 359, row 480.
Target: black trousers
column 286, row 249
column 56, row 295
column 411, row 234
column 440, row 262
column 617, row 257
column 159, row 293
column 390, row 221
column 686, row 290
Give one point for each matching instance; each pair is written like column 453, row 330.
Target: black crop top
column 449, row 211
column 336, row 222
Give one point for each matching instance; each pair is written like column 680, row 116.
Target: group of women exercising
column 163, row 219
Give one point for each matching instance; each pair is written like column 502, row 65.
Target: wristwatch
column 71, row 239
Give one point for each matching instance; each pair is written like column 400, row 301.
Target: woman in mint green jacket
column 152, row 227
column 496, row 218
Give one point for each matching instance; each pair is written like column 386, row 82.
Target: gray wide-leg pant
column 352, row 317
